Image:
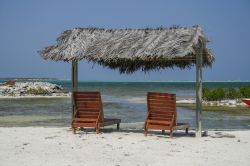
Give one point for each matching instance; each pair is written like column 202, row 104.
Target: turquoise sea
column 125, row 100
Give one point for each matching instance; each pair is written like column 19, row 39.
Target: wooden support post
column 74, row 75
column 74, row 79
column 198, row 132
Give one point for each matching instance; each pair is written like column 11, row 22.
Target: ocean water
column 125, row 100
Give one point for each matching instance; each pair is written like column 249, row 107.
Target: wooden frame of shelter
column 130, row 50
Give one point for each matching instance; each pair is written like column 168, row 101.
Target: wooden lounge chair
column 161, row 112
column 88, row 112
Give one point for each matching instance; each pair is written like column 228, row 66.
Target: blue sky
column 29, row 25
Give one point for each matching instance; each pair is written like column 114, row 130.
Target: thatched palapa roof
column 132, row 49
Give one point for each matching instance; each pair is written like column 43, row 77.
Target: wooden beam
column 74, row 80
column 74, row 75
column 198, row 132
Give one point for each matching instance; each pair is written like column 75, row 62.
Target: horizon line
column 59, row 79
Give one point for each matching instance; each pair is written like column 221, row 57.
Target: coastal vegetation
column 217, row 94
column 38, row 91
column 218, row 100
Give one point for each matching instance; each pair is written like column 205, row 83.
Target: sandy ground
column 33, row 146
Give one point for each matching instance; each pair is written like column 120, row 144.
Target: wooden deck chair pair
column 88, row 112
column 162, row 113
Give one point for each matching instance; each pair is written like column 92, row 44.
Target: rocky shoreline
column 32, row 89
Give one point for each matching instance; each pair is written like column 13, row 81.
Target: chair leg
column 74, row 130
column 97, row 129
column 145, row 130
column 186, row 131
column 171, row 134
column 118, row 126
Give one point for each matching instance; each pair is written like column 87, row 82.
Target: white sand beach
column 39, row 146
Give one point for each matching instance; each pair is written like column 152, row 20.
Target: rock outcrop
column 32, row 89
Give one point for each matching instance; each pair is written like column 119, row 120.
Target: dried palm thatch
column 132, row 49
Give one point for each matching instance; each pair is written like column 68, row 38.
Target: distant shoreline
column 115, row 81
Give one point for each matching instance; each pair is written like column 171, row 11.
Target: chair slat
column 162, row 105
column 85, row 119
column 88, row 112
column 161, row 109
column 159, row 127
column 87, row 106
column 158, row 121
column 87, row 99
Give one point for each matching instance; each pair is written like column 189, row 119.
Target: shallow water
column 57, row 112
column 122, row 100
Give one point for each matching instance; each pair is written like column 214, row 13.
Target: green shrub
column 38, row 91
column 218, row 94
column 215, row 94
column 232, row 93
column 206, row 94
column 245, row 91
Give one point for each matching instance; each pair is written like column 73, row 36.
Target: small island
column 12, row 89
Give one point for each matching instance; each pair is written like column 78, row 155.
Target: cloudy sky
column 27, row 26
